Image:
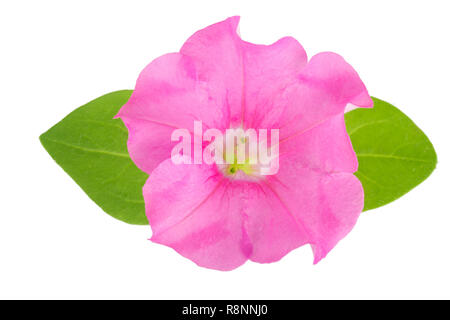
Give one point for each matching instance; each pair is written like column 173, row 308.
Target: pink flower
column 219, row 221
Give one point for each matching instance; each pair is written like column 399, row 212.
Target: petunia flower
column 220, row 219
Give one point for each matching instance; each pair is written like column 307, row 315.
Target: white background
column 57, row 55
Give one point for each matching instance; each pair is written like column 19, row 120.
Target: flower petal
column 167, row 96
column 148, row 143
column 322, row 90
column 273, row 231
column 190, row 209
column 240, row 70
column 326, row 205
column 326, row 147
column 268, row 71
column 217, row 55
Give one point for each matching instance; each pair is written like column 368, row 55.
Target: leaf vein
column 111, row 153
column 390, row 156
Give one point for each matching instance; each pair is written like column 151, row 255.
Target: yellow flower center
column 235, row 167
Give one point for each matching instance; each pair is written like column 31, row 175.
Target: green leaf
column 394, row 155
column 91, row 147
